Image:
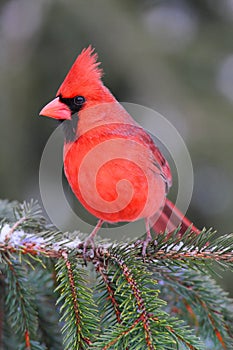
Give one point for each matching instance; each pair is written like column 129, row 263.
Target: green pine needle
column 167, row 301
column 79, row 315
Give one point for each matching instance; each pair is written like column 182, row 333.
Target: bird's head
column 81, row 88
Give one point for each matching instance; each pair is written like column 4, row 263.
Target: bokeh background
column 173, row 56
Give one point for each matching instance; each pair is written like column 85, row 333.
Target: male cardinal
column 111, row 163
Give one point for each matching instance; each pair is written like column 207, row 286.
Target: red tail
column 177, row 218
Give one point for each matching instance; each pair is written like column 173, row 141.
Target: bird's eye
column 79, row 100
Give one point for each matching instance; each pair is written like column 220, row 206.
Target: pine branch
column 132, row 315
column 130, row 277
column 143, row 323
column 211, row 313
column 42, row 281
column 77, row 306
column 21, row 309
column 108, row 298
column 199, row 251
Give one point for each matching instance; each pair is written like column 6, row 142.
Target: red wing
column 140, row 135
column 159, row 159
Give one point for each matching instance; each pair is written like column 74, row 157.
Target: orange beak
column 57, row 110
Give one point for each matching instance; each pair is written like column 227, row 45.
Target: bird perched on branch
column 111, row 163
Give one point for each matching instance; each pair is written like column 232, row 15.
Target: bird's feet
column 147, row 240
column 145, row 243
column 89, row 242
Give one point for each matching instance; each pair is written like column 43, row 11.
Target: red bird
column 111, row 163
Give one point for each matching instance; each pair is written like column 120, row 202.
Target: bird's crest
column 83, row 75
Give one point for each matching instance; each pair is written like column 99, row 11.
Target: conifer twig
column 14, row 228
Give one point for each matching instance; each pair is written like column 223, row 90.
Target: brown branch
column 35, row 249
column 140, row 302
column 203, row 305
column 100, row 269
column 207, row 255
column 107, row 346
column 18, row 288
column 190, row 346
column 216, row 331
column 74, row 296
column 27, row 340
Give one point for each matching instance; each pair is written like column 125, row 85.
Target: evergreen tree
column 50, row 299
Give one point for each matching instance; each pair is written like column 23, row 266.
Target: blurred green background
column 173, row 56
